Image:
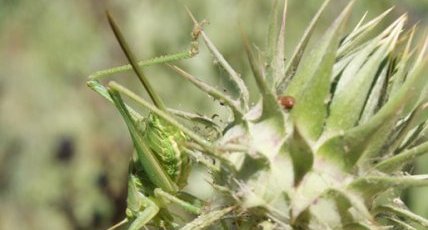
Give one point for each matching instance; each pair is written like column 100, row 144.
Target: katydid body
column 161, row 166
column 159, row 158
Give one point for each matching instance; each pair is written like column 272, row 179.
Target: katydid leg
column 159, row 193
column 191, row 52
column 142, row 218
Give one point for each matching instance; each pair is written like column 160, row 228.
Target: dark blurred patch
column 102, row 181
column 67, row 209
column 97, row 220
column 65, row 149
column 117, row 198
column 119, row 206
column 7, row 162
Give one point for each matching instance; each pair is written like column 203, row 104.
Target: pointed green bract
column 406, row 214
column 360, row 33
column 270, row 106
column 293, row 63
column 234, row 76
column 302, row 155
column 276, row 44
column 207, row 219
column 372, row 185
column 234, row 105
column 311, row 85
column 353, row 88
column 397, row 162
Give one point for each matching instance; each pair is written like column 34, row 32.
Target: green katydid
column 160, row 169
column 159, row 156
column 147, row 189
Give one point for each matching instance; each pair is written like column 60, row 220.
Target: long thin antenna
column 133, row 61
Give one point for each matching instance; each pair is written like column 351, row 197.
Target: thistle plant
column 325, row 147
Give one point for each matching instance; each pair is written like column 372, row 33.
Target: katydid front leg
column 140, row 208
column 191, row 52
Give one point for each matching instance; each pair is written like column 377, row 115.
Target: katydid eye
column 287, row 102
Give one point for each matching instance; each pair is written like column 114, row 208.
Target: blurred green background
column 63, row 149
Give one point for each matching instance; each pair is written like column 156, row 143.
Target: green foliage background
column 64, row 150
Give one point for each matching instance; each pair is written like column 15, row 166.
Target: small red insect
column 287, row 102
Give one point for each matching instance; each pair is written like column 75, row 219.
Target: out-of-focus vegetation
column 63, row 149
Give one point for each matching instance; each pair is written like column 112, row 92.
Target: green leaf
column 311, row 85
column 358, row 35
column 402, row 68
column 207, row 219
column 400, row 224
column 273, row 32
column 301, row 155
column 234, row 76
column 377, row 93
column 423, row 135
column 398, row 161
column 339, row 208
column 342, row 63
column 270, row 104
column 276, row 45
column 419, row 115
column 359, row 226
column 404, row 213
column 212, row 91
column 399, row 106
column 336, row 209
column 413, row 125
column 370, row 186
column 312, row 186
column 293, row 63
column 207, row 122
column 363, row 143
column 356, row 81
